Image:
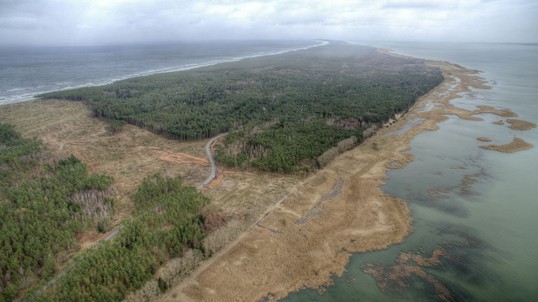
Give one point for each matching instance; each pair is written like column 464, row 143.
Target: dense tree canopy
column 167, row 220
column 275, row 104
column 43, row 206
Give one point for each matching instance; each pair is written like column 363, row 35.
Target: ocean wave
column 21, row 94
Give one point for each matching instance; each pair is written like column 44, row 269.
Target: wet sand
column 283, row 253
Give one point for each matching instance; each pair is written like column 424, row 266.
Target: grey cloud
column 82, row 22
column 411, row 5
column 26, row 23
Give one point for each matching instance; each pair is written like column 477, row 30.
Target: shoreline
column 33, row 96
column 279, row 256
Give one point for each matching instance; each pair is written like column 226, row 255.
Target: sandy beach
column 308, row 237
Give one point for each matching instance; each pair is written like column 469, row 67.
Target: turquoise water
column 489, row 227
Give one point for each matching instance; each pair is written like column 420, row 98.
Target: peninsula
column 311, row 134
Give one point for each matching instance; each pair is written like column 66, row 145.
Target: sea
column 28, row 71
column 479, row 206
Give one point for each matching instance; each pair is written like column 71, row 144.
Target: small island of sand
column 484, row 139
column 516, row 145
column 498, row 112
column 520, row 125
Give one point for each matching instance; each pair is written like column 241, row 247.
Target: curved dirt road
column 212, row 165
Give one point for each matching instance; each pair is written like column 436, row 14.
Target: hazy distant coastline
column 29, row 71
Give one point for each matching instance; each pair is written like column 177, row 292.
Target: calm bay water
column 27, row 71
column 487, row 226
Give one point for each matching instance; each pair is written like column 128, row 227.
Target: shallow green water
column 489, row 230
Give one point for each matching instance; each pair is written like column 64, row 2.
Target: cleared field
column 129, row 155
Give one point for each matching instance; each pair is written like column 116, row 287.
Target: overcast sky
column 76, row 22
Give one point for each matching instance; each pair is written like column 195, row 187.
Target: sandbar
column 516, row 145
column 520, row 124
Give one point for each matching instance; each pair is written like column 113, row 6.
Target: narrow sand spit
column 284, row 256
